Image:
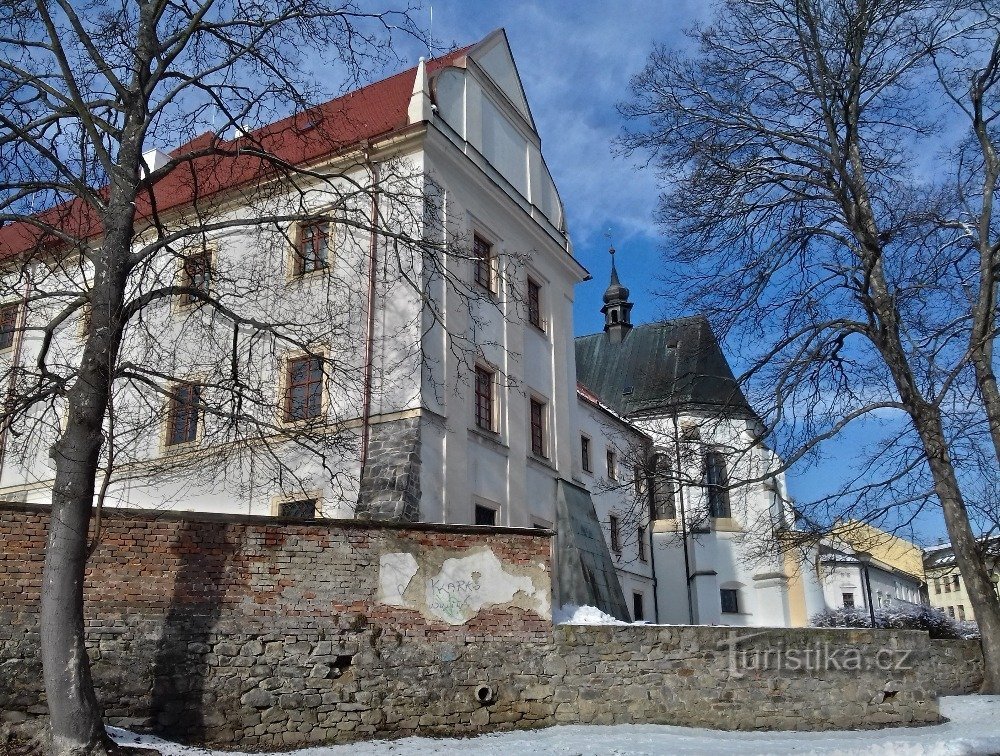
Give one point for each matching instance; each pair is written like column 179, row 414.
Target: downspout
column 651, row 515
column 684, row 527
column 15, row 363
column 366, row 411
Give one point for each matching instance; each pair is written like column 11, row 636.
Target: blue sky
column 575, row 61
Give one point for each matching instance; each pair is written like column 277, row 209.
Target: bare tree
column 827, row 215
column 180, row 314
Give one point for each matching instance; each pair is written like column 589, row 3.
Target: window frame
column 185, row 278
column 847, row 599
column 729, row 593
column 483, row 370
column 534, row 301
column 9, row 332
column 638, row 602
column 615, row 533
column 298, row 261
column 285, row 394
column 715, row 489
column 538, row 426
column 611, row 458
column 478, row 508
column 172, row 411
column 484, row 273
column 281, row 501
column 586, row 461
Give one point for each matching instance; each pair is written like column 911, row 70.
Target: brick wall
column 258, row 634
column 267, row 633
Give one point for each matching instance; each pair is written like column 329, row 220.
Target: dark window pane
column 182, row 423
column 482, row 254
column 484, row 398
column 534, row 304
column 304, row 392
column 848, row 600
column 612, row 465
column 8, row 325
column 585, row 453
column 303, row 509
column 730, row 601
column 664, row 503
column 537, row 428
column 716, row 485
column 485, row 515
column 616, row 536
column 638, row 609
column 312, row 248
column 641, row 537
column 197, row 274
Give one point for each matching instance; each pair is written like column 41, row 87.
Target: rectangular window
column 730, row 600
column 197, row 275
column 301, row 509
column 947, row 584
column 535, row 305
column 848, row 600
column 616, row 535
column 311, row 249
column 585, row 454
column 664, row 505
column 957, row 580
column 639, row 479
column 937, row 585
column 484, row 398
column 8, row 325
column 182, row 417
column 951, row 612
column 638, row 607
column 485, row 515
column 716, row 485
column 303, row 388
column 641, row 535
column 538, row 428
column 961, row 612
column 482, row 258
column 612, row 465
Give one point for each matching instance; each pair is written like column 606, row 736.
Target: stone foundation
column 390, row 482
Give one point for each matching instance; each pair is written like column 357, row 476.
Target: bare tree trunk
column 967, row 554
column 76, row 717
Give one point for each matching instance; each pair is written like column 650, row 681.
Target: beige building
column 945, row 584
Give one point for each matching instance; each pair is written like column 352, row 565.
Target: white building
column 454, row 375
column 714, row 537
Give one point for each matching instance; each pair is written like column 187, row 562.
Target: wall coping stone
column 125, row 513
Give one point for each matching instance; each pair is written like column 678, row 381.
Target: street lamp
column 865, row 558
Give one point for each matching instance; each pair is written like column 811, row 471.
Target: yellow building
column 945, row 584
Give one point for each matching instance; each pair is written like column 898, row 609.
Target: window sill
column 491, row 438
column 540, row 461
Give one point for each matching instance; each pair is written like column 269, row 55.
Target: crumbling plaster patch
column 456, row 589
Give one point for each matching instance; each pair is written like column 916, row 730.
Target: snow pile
column 583, row 615
column 899, row 617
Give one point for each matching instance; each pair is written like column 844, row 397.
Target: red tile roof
column 210, row 165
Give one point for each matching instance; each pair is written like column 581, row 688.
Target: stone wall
column 956, row 666
column 259, row 633
column 264, row 633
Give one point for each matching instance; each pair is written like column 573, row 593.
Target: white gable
column 494, row 57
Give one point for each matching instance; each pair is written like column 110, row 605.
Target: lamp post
column 864, row 559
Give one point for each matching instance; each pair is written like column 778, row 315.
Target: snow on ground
column 974, row 729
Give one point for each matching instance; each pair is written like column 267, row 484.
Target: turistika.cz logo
column 815, row 657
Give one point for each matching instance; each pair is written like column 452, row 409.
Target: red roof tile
column 366, row 114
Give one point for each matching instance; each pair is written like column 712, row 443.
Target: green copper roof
column 657, row 366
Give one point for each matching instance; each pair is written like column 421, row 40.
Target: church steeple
column 617, row 309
